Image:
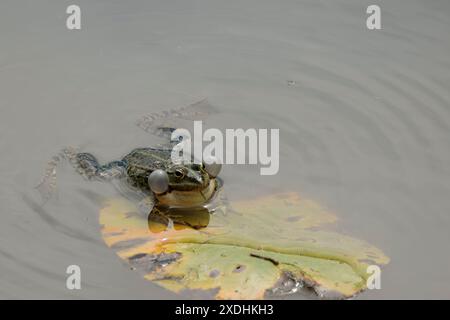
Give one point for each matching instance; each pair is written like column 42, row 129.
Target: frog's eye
column 179, row 173
column 212, row 166
column 158, row 181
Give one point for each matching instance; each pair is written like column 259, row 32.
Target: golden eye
column 179, row 173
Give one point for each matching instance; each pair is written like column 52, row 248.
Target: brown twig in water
column 265, row 258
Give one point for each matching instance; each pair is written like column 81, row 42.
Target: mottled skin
column 140, row 163
column 189, row 184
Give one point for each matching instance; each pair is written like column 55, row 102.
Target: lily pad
column 270, row 245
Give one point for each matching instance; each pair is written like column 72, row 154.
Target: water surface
column 364, row 120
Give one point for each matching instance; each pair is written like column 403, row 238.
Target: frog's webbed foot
column 84, row 163
column 162, row 123
column 47, row 186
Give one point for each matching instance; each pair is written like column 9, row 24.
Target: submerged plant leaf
column 273, row 244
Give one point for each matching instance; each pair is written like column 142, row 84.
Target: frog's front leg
column 219, row 203
column 88, row 166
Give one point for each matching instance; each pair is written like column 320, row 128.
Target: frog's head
column 187, row 177
column 184, row 181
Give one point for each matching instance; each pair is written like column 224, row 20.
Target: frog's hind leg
column 47, row 186
column 88, row 166
column 85, row 164
column 157, row 123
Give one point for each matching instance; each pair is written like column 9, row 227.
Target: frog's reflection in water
column 162, row 217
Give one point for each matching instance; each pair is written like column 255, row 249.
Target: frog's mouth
column 188, row 198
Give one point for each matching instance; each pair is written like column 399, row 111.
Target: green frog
column 149, row 173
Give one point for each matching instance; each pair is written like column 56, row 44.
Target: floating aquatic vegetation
column 272, row 245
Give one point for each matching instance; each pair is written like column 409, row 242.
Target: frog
column 148, row 173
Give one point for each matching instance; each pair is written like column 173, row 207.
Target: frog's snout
column 198, row 178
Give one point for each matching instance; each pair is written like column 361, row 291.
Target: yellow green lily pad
column 266, row 246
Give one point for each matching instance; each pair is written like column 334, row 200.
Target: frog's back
column 142, row 162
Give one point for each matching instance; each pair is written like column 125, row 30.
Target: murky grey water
column 364, row 120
